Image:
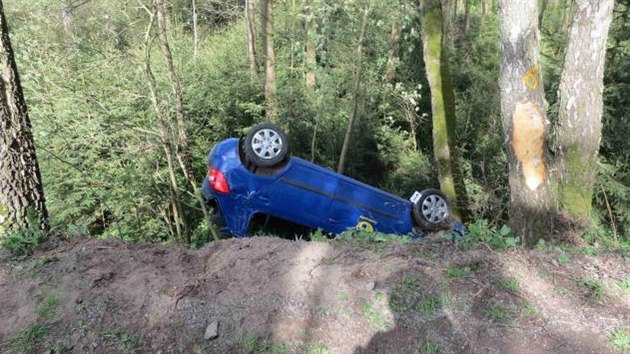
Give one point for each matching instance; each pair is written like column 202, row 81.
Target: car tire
column 432, row 212
column 266, row 145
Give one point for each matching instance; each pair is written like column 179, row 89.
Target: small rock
column 212, row 331
column 370, row 285
column 94, row 345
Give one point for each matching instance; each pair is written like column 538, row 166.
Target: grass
column 460, row 271
column 375, row 317
column 429, row 348
column 401, row 298
column 429, row 305
column 123, row 340
column 510, row 285
column 564, row 259
column 28, row 340
column 593, row 287
column 501, row 314
column 624, row 285
column 620, row 339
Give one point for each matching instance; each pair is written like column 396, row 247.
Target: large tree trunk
column 442, row 106
column 580, row 107
column 311, row 47
column 357, row 84
column 21, row 190
column 250, row 31
column 523, row 107
column 270, row 58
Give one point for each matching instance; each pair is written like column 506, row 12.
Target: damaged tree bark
column 532, row 211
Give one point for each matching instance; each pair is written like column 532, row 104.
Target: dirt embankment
column 277, row 296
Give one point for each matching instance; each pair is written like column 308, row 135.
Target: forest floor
column 270, row 295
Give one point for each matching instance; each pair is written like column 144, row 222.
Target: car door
column 360, row 206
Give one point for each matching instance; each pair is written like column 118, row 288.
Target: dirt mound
column 279, row 296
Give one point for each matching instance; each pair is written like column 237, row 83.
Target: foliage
column 593, row 287
column 620, row 339
column 102, row 160
column 481, row 232
column 28, row 340
column 23, row 241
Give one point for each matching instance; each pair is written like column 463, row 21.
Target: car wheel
column 266, row 145
column 432, row 211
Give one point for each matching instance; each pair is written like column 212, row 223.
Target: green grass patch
column 620, row 339
column 429, row 305
column 461, row 271
column 429, row 348
column 375, row 317
column 593, row 287
column 564, row 259
column 500, row 314
column 122, row 340
column 402, row 296
column 623, row 285
column 510, row 285
column 28, row 340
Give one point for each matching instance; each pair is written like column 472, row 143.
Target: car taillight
column 216, row 180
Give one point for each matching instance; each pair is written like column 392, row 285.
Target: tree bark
column 580, row 107
column 266, row 15
column 532, row 209
column 442, row 107
column 357, row 84
column 467, row 16
column 394, row 51
column 21, row 190
column 311, row 46
column 250, row 31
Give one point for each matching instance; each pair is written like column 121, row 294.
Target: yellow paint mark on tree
column 531, row 77
column 528, row 142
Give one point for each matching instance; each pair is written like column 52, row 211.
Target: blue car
column 256, row 175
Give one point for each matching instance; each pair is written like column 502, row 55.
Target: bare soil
column 278, row 296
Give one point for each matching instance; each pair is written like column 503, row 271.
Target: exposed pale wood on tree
column 523, row 108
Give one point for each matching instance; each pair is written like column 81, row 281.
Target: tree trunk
column 311, row 47
column 523, row 108
column 183, row 150
column 580, row 107
column 67, row 20
column 357, row 84
column 21, row 190
column 270, row 58
column 442, row 107
column 394, row 51
column 467, row 16
column 250, row 31
column 484, row 7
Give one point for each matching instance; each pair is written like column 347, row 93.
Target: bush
column 23, row 242
column 480, row 232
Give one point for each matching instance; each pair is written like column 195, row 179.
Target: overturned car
column 256, row 175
